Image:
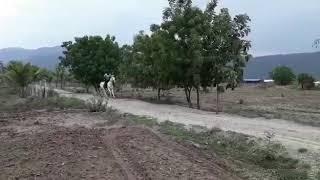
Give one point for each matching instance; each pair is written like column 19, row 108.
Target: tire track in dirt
column 145, row 155
column 110, row 141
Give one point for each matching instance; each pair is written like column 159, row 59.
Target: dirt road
column 292, row 135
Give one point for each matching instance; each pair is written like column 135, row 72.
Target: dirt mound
column 82, row 153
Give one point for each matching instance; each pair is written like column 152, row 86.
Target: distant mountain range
column 258, row 67
column 46, row 57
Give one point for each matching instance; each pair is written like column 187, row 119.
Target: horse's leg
column 109, row 91
column 113, row 93
column 104, row 94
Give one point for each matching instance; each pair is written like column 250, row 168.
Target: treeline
column 191, row 48
column 20, row 75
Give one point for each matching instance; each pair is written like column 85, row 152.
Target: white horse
column 110, row 87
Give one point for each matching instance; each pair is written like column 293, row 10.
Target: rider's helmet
column 107, row 77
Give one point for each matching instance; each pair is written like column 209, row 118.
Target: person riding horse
column 108, row 83
column 107, row 78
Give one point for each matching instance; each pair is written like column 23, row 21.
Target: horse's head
column 113, row 79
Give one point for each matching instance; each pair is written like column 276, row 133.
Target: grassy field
column 289, row 103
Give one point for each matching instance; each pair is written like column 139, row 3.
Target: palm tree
column 60, row 75
column 20, row 75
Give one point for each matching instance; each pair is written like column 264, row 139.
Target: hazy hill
column 260, row 67
column 45, row 57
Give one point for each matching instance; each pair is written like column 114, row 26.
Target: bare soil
column 79, row 145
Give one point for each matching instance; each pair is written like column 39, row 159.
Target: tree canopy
column 89, row 57
column 283, row 75
column 190, row 48
column 306, row 81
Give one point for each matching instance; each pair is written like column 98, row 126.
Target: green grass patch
column 56, row 102
column 8, row 99
column 270, row 157
column 141, row 120
column 250, row 154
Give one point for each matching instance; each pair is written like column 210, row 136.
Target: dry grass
column 289, row 103
column 251, row 158
column 10, row 101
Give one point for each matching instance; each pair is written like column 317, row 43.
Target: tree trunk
column 44, row 93
column 187, row 91
column 198, row 98
column 97, row 89
column 61, row 82
column 218, row 93
column 159, row 96
column 189, row 94
column 22, row 92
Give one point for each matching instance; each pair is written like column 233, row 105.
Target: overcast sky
column 278, row 26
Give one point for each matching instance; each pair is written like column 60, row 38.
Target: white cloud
column 8, row 8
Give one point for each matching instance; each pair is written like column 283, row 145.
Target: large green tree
column 89, row 57
column 210, row 48
column 151, row 60
column 186, row 25
column 189, row 49
column 225, row 48
column 283, row 75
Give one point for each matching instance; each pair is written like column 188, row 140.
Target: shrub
column 97, row 104
column 302, row 150
column 306, row 81
column 283, row 75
